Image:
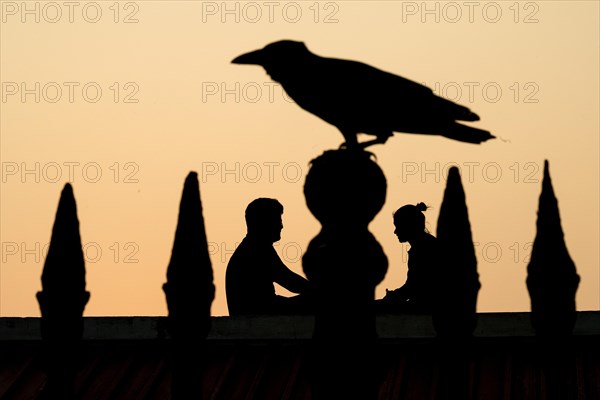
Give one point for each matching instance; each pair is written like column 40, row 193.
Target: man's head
column 263, row 219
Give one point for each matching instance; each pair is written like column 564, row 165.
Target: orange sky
column 124, row 100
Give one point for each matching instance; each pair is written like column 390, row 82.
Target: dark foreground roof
column 489, row 368
column 410, row 369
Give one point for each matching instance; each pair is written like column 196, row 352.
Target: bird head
column 276, row 58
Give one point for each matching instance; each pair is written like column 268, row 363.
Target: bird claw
column 350, row 147
column 359, row 148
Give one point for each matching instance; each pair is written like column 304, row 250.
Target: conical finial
column 458, row 280
column 63, row 296
column 552, row 279
column 65, row 262
column 190, row 292
column 189, row 288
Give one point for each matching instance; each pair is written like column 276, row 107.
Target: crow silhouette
column 357, row 98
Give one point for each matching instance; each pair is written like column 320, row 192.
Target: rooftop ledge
column 508, row 324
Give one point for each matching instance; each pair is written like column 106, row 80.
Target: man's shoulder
column 239, row 254
column 249, row 245
column 250, row 251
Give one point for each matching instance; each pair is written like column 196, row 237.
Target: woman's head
column 409, row 221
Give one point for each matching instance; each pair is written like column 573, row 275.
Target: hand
column 394, row 295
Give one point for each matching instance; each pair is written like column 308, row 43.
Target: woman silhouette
column 416, row 295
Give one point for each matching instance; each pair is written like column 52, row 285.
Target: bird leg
column 352, row 143
column 378, row 140
column 351, row 140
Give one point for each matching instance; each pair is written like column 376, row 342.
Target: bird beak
column 254, row 57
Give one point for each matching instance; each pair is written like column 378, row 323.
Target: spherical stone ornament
column 344, row 188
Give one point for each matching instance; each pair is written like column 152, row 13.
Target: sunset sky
column 123, row 99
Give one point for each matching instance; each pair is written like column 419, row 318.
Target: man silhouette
column 255, row 266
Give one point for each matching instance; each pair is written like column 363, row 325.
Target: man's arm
column 400, row 294
column 287, row 278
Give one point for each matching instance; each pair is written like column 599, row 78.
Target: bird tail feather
column 467, row 134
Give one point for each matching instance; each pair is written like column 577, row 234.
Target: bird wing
column 388, row 91
column 372, row 79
